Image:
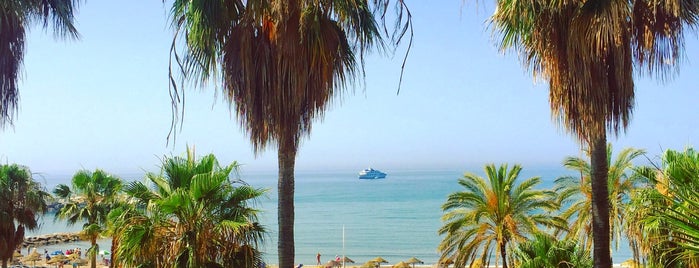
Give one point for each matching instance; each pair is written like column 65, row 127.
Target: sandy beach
column 38, row 245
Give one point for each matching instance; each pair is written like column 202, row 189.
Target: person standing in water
column 318, row 258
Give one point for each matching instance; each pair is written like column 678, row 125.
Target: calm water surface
column 396, row 218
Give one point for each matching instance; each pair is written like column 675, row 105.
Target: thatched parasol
column 57, row 259
column 413, row 261
column 32, row 257
column 379, row 260
column 369, row 264
column 17, row 255
column 401, row 265
column 333, row 263
column 347, row 260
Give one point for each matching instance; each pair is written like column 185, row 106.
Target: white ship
column 371, row 173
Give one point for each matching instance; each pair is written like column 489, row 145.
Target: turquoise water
column 396, row 218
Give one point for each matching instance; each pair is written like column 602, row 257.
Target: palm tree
column 281, row 63
column 15, row 17
column 192, row 216
column 492, row 212
column 587, row 51
column 575, row 193
column 544, row 251
column 91, row 197
column 22, row 201
column 662, row 216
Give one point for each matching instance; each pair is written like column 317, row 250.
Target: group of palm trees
column 495, row 218
column 194, row 213
column 280, row 62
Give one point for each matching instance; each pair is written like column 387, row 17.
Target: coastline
column 50, row 239
column 396, row 218
column 66, row 240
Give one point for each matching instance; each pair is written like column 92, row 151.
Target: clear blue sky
column 103, row 102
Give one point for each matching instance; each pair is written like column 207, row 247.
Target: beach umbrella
column 32, row 257
column 413, row 261
column 104, row 252
column 379, row 260
column 369, row 264
column 57, row 259
column 401, row 265
column 333, row 263
column 347, row 260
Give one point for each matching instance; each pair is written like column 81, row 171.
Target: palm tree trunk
column 4, row 263
column 192, row 246
column 93, row 256
column 113, row 252
column 285, row 246
column 503, row 254
column 600, row 202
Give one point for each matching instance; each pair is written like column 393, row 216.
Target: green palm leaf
column 90, row 199
column 575, row 194
column 201, row 219
column 492, row 212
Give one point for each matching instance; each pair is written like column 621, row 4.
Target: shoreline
column 51, row 239
column 60, row 239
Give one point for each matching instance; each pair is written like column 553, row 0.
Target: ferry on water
column 371, row 174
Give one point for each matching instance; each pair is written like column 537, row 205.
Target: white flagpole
column 343, row 246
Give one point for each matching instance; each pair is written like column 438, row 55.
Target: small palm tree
column 15, row 18
column 544, row 251
column 492, row 212
column 663, row 216
column 681, row 219
column 192, row 216
column 22, row 201
column 90, row 198
column 575, row 193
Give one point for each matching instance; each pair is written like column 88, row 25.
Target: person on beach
column 318, row 258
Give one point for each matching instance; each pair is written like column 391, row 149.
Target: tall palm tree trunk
column 600, row 202
column 4, row 263
column 192, row 247
column 285, row 246
column 113, row 252
column 503, row 254
column 93, row 254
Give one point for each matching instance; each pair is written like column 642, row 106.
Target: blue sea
column 395, row 218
